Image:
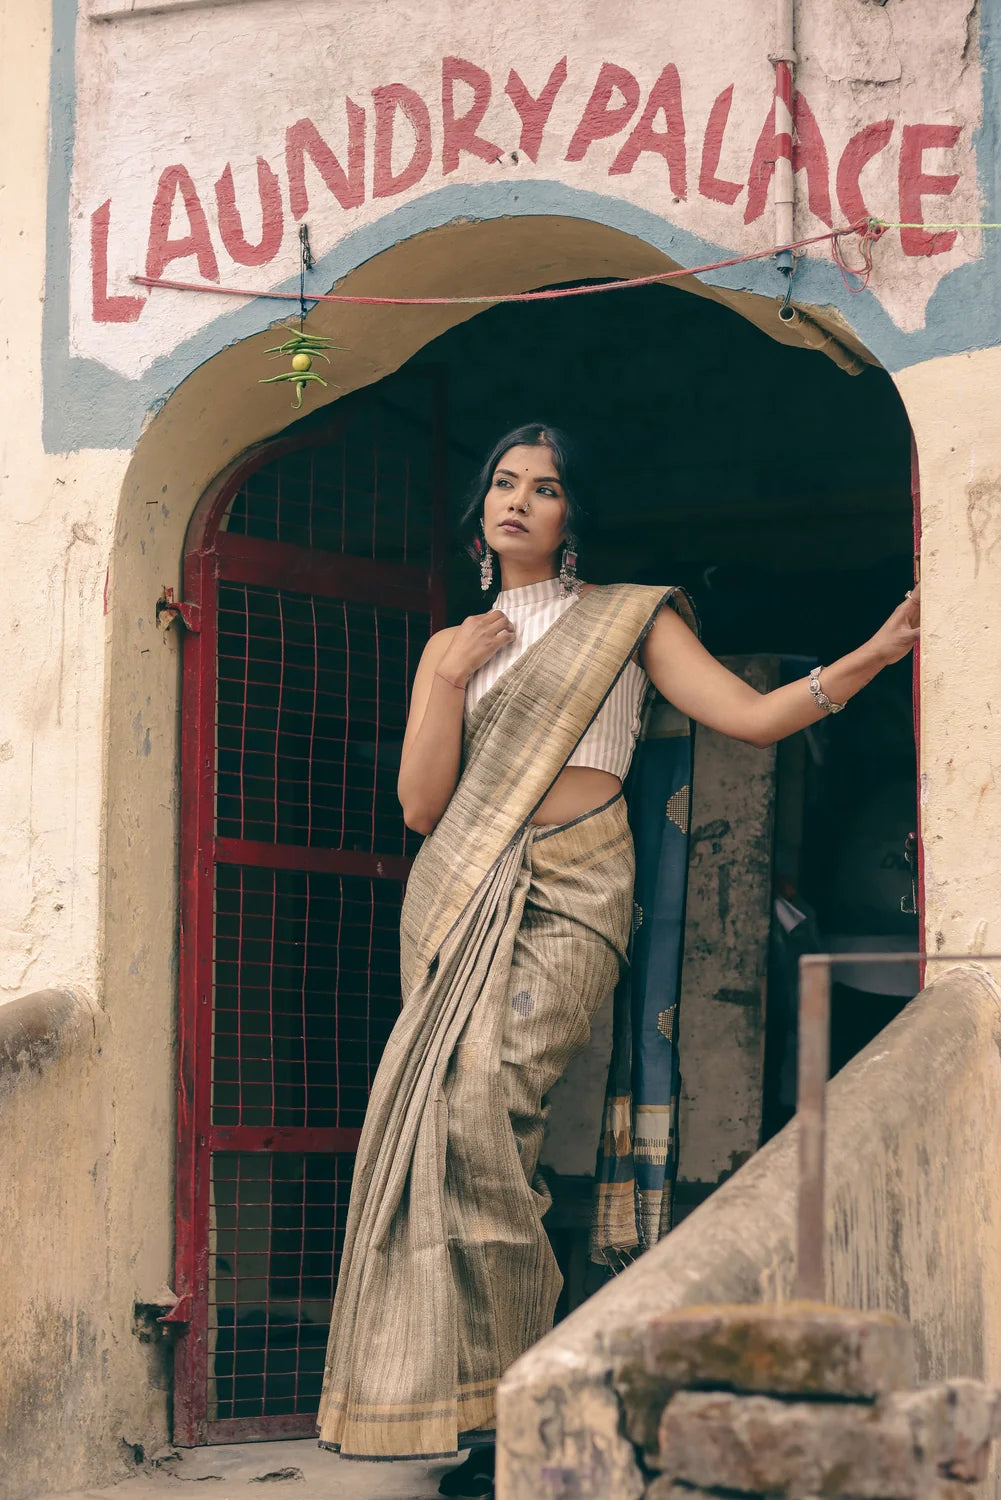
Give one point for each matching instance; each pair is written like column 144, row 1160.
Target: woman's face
column 525, row 508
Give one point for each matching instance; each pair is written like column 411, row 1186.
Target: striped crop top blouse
column 609, row 742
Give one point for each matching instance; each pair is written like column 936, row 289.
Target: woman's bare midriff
column 577, row 790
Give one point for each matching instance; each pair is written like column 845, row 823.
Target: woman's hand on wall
column 901, row 631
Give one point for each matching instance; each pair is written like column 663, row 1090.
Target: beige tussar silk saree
column 511, row 936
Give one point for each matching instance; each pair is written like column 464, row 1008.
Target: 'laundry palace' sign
column 215, row 178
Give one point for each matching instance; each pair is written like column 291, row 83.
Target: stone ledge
column 904, row 1447
column 716, row 1440
column 793, row 1348
column 796, row 1349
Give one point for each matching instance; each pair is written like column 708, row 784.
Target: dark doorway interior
column 776, row 489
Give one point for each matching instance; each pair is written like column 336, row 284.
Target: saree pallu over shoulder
column 511, row 937
column 521, row 735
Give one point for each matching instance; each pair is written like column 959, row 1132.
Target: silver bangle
column 819, row 696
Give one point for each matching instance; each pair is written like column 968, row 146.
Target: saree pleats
column 511, row 937
column 457, row 1277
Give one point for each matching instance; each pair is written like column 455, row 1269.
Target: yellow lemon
column 301, row 362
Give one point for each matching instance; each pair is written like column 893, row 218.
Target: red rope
column 856, row 278
column 863, row 229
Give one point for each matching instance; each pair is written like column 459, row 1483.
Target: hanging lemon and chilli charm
column 304, row 348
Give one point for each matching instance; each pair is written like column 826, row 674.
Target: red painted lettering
column 665, row 99
column 388, row 99
column 601, row 118
column 303, row 139
column 534, row 113
column 915, row 184
column 459, row 131
column 809, row 154
column 237, row 246
column 863, row 146
column 766, row 151
column 719, row 189
column 107, row 309
column 161, row 249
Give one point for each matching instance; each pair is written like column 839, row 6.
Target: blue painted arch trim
column 86, row 405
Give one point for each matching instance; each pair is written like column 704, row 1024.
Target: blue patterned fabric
column 638, row 1153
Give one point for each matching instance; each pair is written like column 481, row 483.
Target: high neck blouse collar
column 529, row 593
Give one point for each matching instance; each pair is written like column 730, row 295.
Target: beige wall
column 86, row 1228
column 78, row 1385
column 953, row 407
column 57, row 516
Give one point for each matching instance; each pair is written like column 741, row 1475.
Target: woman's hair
column 568, row 471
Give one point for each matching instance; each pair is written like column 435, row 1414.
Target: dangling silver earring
column 569, row 582
column 486, row 557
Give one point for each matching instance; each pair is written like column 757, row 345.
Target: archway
column 207, row 427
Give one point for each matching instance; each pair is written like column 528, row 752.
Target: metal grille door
column 311, row 573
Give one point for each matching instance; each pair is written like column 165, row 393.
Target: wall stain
column 983, row 518
column 749, row 998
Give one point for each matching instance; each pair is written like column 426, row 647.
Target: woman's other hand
column 474, row 642
column 432, row 746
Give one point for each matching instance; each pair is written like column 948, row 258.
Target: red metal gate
column 315, row 579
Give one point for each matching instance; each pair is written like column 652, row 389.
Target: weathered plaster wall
column 67, row 1417
column 913, row 1208
column 57, row 515
column 953, row 407
column 84, row 1238
column 53, row 1297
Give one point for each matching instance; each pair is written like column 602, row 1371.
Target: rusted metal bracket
column 180, row 1314
column 169, row 609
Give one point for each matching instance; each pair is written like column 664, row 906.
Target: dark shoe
column 474, row 1477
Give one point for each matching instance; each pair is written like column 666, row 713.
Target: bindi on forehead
column 536, row 467
column 547, row 479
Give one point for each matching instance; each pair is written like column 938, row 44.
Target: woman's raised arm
column 683, row 670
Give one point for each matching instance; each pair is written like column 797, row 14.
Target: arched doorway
column 312, row 580
column 776, row 488
column 854, row 510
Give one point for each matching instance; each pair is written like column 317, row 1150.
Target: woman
column 513, row 931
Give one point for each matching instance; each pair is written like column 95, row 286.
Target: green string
column 887, row 224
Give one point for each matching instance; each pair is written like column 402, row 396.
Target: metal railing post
column 814, row 1054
